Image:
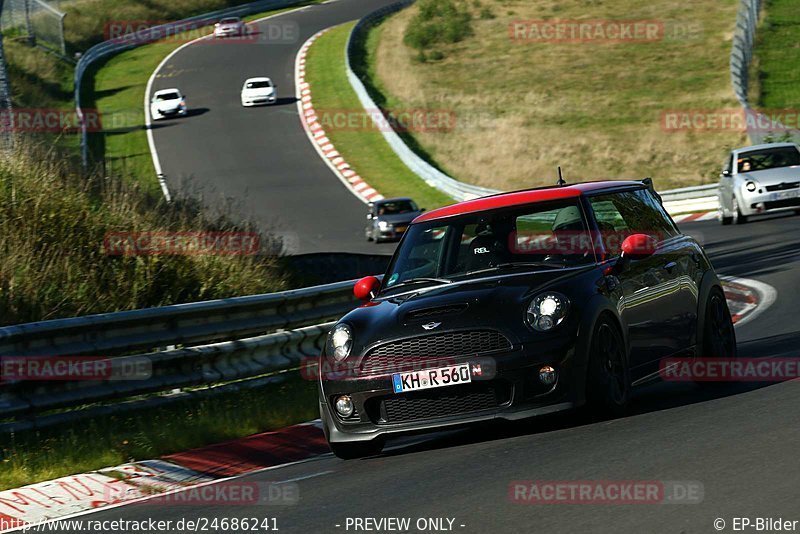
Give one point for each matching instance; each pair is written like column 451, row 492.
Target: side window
column 662, row 221
column 621, row 214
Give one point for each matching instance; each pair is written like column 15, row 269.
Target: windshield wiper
column 512, row 265
column 419, row 280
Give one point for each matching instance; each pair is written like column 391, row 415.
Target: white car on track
column 259, row 91
column 167, row 103
column 758, row 180
column 229, row 26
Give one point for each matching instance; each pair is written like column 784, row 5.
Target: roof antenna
column 561, row 182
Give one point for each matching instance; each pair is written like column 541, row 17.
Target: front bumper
column 511, row 391
column 180, row 112
column 259, row 101
column 755, row 203
column 392, row 233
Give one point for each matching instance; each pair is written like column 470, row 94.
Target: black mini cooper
column 517, row 305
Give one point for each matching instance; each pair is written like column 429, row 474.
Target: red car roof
column 519, row 198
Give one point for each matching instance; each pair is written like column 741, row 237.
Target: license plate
column 431, row 378
column 783, row 195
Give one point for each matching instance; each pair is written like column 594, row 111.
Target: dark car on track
column 517, row 305
column 389, row 218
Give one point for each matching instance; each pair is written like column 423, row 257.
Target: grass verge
column 117, row 92
column 525, row 106
column 778, row 56
column 109, row 441
column 364, row 148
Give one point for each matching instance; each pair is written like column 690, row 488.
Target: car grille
column 783, row 187
column 426, row 313
column 786, row 203
column 454, row 400
column 402, row 355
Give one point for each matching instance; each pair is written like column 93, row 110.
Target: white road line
column 298, row 479
column 148, row 121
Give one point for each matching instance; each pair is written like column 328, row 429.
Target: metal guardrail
column 760, row 127
column 208, row 343
column 152, row 34
column 432, row 176
column 704, row 198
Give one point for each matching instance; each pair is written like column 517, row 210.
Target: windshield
column 167, row 96
column 232, row 20
column 770, row 158
column 258, row 85
column 396, row 207
column 544, row 236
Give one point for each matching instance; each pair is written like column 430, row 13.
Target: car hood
column 399, row 218
column 260, row 91
column 168, row 105
column 773, row 176
column 490, row 303
column 229, row 26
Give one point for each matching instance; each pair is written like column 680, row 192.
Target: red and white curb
column 317, row 135
column 747, row 299
column 75, row 495
column 695, row 217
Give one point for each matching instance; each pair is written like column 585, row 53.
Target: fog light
column 344, row 405
column 547, row 375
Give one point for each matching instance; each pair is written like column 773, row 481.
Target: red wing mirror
column 366, row 288
column 639, row 246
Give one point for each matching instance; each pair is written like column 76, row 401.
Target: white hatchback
column 167, row 103
column 229, row 26
column 259, row 91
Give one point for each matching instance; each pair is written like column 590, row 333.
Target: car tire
column 719, row 335
column 725, row 221
column 353, row 451
column 608, row 388
column 738, row 218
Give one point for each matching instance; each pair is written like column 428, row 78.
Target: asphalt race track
column 739, row 442
column 259, row 160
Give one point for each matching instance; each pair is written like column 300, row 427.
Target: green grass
column 366, row 151
column 117, row 92
column 109, row 441
column 778, row 56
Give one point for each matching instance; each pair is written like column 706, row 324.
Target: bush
column 438, row 22
column 53, row 222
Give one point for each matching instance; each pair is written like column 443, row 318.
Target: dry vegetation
column 53, row 222
column 595, row 108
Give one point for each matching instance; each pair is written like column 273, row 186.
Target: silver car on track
column 759, row 179
column 388, row 219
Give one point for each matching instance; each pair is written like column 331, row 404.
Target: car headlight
column 750, row 186
column 547, row 311
column 340, row 342
column 383, row 225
